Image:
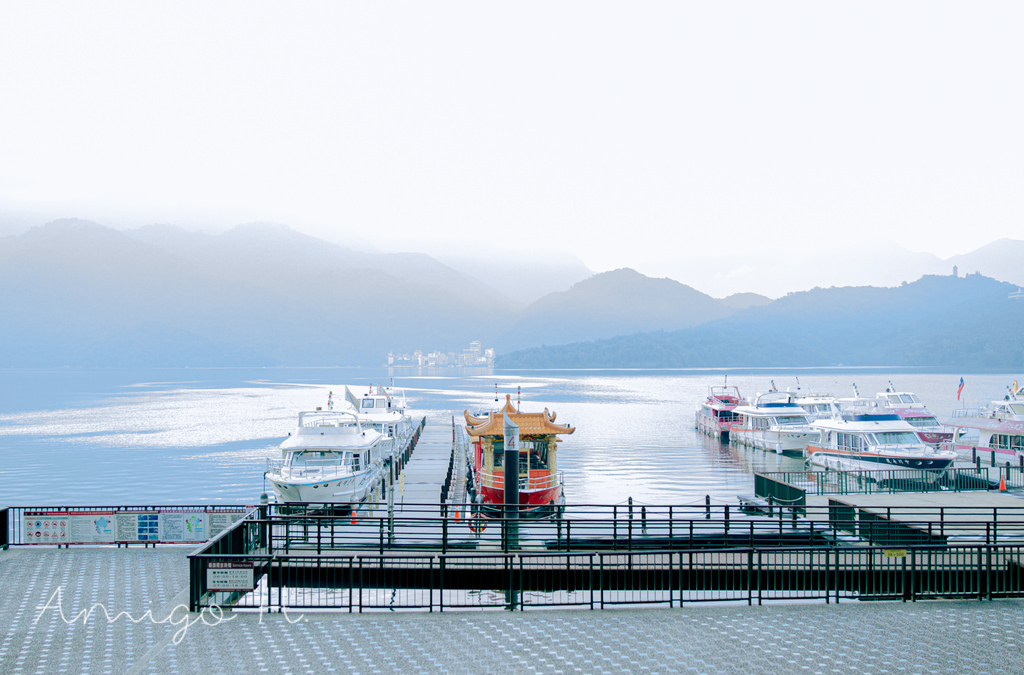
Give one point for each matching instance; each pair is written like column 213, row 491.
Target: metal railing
column 889, row 481
column 526, row 482
column 595, row 579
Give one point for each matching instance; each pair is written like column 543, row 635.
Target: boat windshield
column 790, row 420
column 922, row 422
column 1017, row 408
column 895, row 438
column 369, row 403
column 316, row 458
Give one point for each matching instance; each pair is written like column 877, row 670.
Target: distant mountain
column 521, row 277
column 608, row 304
column 937, row 321
column 744, row 300
column 77, row 293
column 1001, row 260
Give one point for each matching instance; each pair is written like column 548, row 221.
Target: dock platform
column 875, row 637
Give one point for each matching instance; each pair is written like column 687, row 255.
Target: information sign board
column 230, row 576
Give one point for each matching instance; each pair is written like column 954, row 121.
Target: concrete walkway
column 883, row 637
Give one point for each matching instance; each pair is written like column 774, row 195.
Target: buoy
column 1002, row 483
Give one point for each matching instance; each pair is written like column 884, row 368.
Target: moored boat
column 870, row 439
column 384, row 409
column 910, row 408
column 540, row 483
column 998, row 428
column 715, row 415
column 329, row 458
column 773, row 422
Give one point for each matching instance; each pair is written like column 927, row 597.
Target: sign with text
column 230, row 576
column 153, row 526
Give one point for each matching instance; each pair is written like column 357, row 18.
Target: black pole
column 512, row 495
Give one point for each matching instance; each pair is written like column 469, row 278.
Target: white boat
column 910, row 408
column 773, row 422
column 870, row 439
column 384, row 409
column 330, row 458
column 818, row 405
column 998, row 427
column 715, row 416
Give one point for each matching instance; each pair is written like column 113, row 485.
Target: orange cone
column 354, row 520
column 1002, row 483
column 456, row 514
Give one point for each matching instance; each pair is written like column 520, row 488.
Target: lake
column 198, row 436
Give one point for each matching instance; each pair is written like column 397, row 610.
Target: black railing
column 368, row 582
column 889, row 481
column 5, row 528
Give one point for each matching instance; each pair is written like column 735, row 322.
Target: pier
column 308, row 589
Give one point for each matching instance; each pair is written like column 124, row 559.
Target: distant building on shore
column 474, row 355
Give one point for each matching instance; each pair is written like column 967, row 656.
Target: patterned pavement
column 150, row 585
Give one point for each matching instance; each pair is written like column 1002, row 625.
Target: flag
column 960, row 389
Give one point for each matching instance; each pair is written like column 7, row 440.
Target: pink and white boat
column 910, row 409
column 715, row 416
column 998, row 428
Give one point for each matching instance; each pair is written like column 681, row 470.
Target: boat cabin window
column 850, row 442
column 895, row 438
column 893, row 398
column 1007, row 442
column 1017, row 408
column 315, row 458
column 368, row 403
column 790, row 420
column 922, row 422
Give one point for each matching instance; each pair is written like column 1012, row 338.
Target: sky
column 650, row 135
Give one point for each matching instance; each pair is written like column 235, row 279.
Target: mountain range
column 76, row 293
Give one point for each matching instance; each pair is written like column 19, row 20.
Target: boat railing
column 531, row 482
column 900, row 448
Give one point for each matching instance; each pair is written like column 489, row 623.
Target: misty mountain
column 77, row 293
column 848, row 261
column 744, row 300
column 521, row 277
column 1000, row 260
column 963, row 323
column 613, row 303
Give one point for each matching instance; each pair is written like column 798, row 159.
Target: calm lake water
column 196, row 436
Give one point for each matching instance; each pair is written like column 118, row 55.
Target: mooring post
column 707, row 507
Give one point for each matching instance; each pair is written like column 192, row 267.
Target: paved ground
column 923, row 637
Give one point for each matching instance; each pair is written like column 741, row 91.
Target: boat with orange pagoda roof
column 540, row 482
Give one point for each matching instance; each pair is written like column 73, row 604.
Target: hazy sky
column 627, row 133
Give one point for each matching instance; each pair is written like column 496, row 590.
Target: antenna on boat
column 774, row 388
column 855, row 392
column 519, row 396
column 330, row 400
column 891, row 388
column 495, row 392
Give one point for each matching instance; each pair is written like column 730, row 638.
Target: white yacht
column 384, row 409
column 773, row 422
column 818, row 405
column 330, row 458
column 871, row 439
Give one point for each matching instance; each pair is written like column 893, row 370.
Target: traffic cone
column 354, row 520
column 1002, row 483
column 456, row 513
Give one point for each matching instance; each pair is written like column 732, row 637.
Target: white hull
column 929, row 471
column 781, row 442
column 347, row 489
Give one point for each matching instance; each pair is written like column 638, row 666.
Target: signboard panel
column 163, row 526
column 230, row 576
